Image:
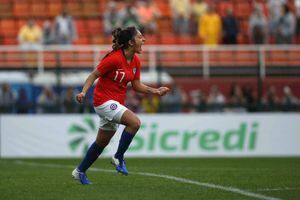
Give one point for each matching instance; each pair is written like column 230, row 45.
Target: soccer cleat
column 120, row 165
column 81, row 176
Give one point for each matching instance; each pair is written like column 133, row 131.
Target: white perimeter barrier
column 164, row 135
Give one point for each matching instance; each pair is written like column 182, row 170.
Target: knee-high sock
column 124, row 143
column 92, row 154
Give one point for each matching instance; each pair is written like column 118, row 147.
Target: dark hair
column 121, row 37
column 286, row 8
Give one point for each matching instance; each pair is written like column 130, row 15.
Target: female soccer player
column 117, row 68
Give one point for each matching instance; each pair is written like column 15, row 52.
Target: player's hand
column 80, row 97
column 163, row 90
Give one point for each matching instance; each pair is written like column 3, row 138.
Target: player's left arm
column 138, row 86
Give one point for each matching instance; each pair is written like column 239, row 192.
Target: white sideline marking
column 277, row 189
column 174, row 178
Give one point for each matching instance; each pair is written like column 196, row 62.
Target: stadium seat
column 10, row 41
column 168, row 39
column 95, row 26
column 222, row 7
column 186, row 39
column 19, row 23
column 193, row 58
column 244, row 25
column 276, row 58
column 68, row 59
column 74, row 8
column 5, row 9
column 54, row 8
column 39, row 10
column 8, row 27
column 101, row 7
column 165, row 25
column 172, row 58
column 82, row 40
column 151, row 39
column 282, row 58
column 81, row 27
column 14, row 60
column 85, row 59
column 97, row 39
column 90, row 9
column 49, row 59
column 164, row 9
column 21, row 9
column 242, row 10
column 246, row 58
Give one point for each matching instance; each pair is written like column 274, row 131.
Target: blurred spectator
column 69, row 102
column 199, row 7
column 47, row 33
column 258, row 30
column 236, row 97
column 285, row 29
column 150, row 104
column 249, row 98
column 297, row 32
column 111, row 18
column 30, row 35
column 198, row 101
column 132, row 101
column 7, row 98
column 230, row 28
column 271, row 100
column 64, row 29
column 22, row 103
column 181, row 10
column 289, row 100
column 173, row 101
column 210, row 27
column 274, row 7
column 129, row 15
column 148, row 14
column 216, row 99
column 47, row 101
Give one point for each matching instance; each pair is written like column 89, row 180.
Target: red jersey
column 115, row 72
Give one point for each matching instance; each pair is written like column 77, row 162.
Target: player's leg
column 132, row 123
column 103, row 138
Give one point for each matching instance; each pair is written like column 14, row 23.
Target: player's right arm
column 88, row 83
column 106, row 65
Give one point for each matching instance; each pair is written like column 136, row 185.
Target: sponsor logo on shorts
column 134, row 70
column 113, row 106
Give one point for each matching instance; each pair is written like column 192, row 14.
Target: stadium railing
column 200, row 60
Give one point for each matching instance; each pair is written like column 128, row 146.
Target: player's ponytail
column 121, row 37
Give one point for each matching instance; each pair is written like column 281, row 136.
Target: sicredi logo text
column 151, row 138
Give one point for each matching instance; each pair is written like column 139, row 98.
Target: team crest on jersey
column 113, row 106
column 134, row 70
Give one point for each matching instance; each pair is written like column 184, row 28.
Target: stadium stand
column 88, row 16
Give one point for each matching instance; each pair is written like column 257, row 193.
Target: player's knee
column 102, row 143
column 136, row 124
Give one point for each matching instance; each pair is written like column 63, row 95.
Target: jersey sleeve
column 107, row 64
column 138, row 69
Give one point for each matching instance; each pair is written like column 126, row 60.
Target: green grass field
column 181, row 178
